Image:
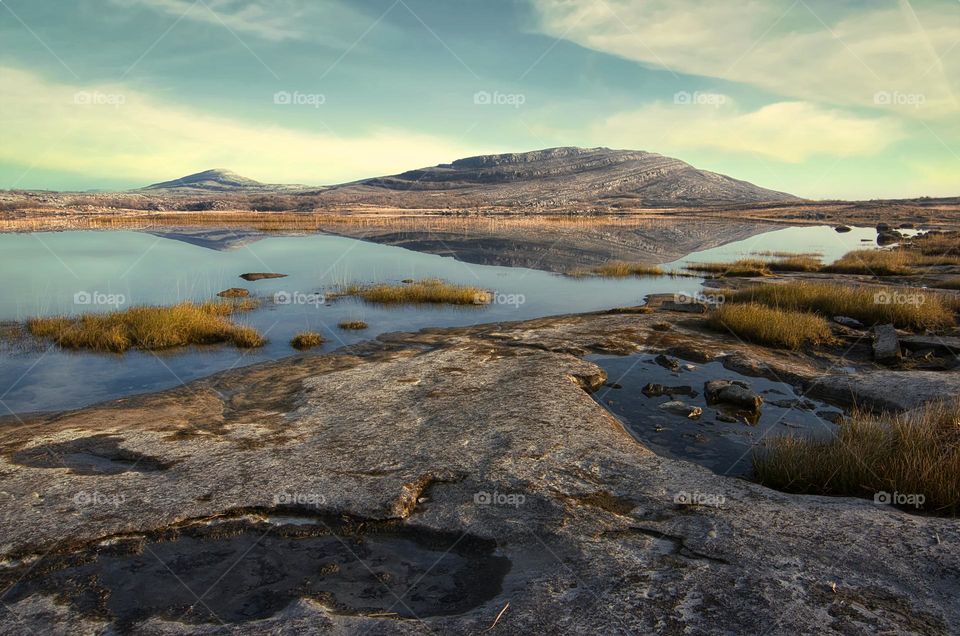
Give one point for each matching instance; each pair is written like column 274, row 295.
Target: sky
column 853, row 99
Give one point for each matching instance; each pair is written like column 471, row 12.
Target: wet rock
column 886, row 344
column 846, row 321
column 667, row 362
column 234, row 292
column 888, row 238
column 883, row 227
column 800, row 403
column 253, row 276
column 843, row 229
column 681, row 408
column 724, row 417
column 733, row 392
column 656, row 390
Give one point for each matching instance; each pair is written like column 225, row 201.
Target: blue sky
column 824, row 99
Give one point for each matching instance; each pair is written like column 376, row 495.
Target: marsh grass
column 917, row 452
column 935, row 244
column 873, row 262
column 150, row 328
column 621, row 269
column 903, row 307
column 353, row 325
column 799, row 263
column 418, row 292
column 306, row 340
column 743, row 268
column 760, row 324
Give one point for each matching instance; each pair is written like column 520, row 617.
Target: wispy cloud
column 882, row 55
column 275, row 20
column 110, row 131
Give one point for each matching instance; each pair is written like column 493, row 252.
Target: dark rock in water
column 888, row 237
column 261, row 276
column 667, row 362
column 905, row 226
column 846, row 321
column 800, row 403
column 724, row 417
column 234, row 292
column 733, row 392
column 883, row 227
column 680, row 408
column 886, row 344
column 843, row 229
column 656, row 390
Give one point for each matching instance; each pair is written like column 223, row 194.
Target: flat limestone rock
column 886, row 344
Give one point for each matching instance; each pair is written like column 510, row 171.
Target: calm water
column 58, row 272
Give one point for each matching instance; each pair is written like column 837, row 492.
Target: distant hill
column 559, row 177
column 218, row 181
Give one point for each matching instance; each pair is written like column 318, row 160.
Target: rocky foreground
column 452, row 481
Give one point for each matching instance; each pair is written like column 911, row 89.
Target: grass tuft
column 745, row 267
column 306, row 340
column 874, row 262
column 353, row 324
column 620, row 269
column 903, row 307
column 427, row 291
column 914, row 453
column 149, row 328
column 770, row 326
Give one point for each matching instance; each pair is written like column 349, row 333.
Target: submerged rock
column 681, row 408
column 667, row 362
column 733, row 392
column 656, row 390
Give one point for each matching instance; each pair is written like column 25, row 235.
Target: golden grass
column 353, row 324
column 915, row 453
column 903, row 307
column 936, row 243
column 621, row 269
column 419, row 292
column 745, row 267
column 769, row 326
column 873, row 262
column 799, row 263
column 150, row 328
column 306, row 340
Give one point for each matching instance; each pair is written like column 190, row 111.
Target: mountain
column 218, row 181
column 558, row 177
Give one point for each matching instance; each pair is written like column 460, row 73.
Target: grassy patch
column 912, row 453
column 936, row 243
column 353, row 324
column 873, row 262
column 796, row 264
column 770, row 326
column 620, row 269
column 306, row 340
column 903, row 307
column 745, row 267
column 150, row 328
column 428, row 291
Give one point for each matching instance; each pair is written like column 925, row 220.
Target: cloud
column 791, row 132
column 838, row 53
column 110, row 130
column 275, row 20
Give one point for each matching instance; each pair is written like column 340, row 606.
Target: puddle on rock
column 245, row 570
column 723, row 435
column 95, row 455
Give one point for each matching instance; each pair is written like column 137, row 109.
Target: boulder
column 733, row 392
column 681, row 408
column 656, row 390
column 843, row 229
column 886, row 344
column 667, row 362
